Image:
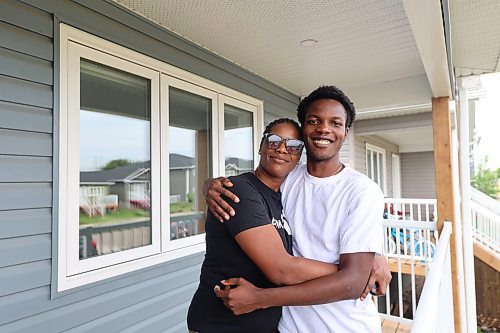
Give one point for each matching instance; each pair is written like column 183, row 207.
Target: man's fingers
column 225, row 192
column 382, row 288
column 214, row 199
column 226, row 182
column 217, row 210
column 365, row 293
column 368, row 288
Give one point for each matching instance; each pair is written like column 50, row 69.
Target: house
column 84, row 82
column 237, row 166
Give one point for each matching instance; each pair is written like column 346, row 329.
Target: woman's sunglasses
column 293, row 146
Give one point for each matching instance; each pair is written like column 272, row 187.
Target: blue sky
column 106, row 137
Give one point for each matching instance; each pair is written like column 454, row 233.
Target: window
column 375, row 166
column 137, row 139
column 238, row 136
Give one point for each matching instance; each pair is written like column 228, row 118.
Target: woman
column 257, row 243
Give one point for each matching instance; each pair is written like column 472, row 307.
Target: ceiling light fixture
column 308, row 42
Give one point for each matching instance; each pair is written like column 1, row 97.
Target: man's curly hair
column 327, row 92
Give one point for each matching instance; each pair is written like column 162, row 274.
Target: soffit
column 361, row 44
column 475, row 36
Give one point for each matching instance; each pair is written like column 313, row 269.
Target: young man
column 335, row 215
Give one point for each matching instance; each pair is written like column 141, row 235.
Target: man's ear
column 346, row 132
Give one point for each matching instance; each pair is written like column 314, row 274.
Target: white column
column 457, row 235
column 470, row 285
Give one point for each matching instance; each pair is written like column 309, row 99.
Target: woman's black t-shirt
column 259, row 205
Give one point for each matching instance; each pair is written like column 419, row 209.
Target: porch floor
column 389, row 326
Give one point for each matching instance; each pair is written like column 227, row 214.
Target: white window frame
column 72, row 272
column 223, row 99
column 382, row 170
column 166, row 83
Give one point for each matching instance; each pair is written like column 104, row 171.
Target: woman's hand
column 213, row 188
column 239, row 295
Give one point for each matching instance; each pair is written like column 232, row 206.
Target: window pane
column 115, row 177
column 381, row 168
column 369, row 163
column 190, row 156
column 238, row 140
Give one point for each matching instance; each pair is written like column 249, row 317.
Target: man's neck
column 322, row 169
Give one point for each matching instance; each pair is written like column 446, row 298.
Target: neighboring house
column 130, row 183
column 182, row 177
column 236, row 166
column 396, row 151
column 88, row 81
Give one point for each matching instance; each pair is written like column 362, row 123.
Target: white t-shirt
column 331, row 216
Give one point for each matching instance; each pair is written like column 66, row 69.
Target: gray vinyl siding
column 347, row 151
column 360, row 156
column 149, row 300
column 418, row 175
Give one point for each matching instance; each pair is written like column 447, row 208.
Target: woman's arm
column 265, row 248
column 345, row 284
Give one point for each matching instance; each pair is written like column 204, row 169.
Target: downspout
column 468, row 255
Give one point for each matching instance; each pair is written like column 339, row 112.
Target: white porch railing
column 485, row 215
column 419, row 242
column 411, row 244
column 435, row 309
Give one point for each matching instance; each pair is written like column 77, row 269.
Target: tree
column 116, row 163
column 486, row 180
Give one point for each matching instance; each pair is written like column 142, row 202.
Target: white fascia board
column 426, row 22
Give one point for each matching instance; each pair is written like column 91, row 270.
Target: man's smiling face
column 324, row 130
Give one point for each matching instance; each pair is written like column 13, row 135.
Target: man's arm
column 347, row 283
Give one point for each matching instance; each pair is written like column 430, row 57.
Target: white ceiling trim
column 426, row 22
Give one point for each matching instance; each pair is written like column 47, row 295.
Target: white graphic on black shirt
column 282, row 223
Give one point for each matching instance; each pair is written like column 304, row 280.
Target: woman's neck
column 273, row 183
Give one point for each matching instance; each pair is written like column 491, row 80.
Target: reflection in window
column 115, row 167
column 190, row 160
column 238, row 140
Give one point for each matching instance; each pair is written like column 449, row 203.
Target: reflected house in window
column 182, row 178
column 129, row 186
column 122, row 187
column 236, row 166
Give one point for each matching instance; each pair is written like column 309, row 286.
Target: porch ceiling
column 365, row 47
column 385, row 54
column 410, row 140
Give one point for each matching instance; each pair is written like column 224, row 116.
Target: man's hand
column 380, row 277
column 213, row 188
column 241, row 298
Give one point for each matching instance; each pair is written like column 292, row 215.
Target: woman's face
column 279, row 161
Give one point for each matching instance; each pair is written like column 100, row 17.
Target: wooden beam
column 419, row 267
column 443, row 160
column 487, row 256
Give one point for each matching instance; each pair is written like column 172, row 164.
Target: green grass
column 132, row 214
column 181, row 207
column 116, row 216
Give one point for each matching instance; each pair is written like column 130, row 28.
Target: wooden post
column 443, row 160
